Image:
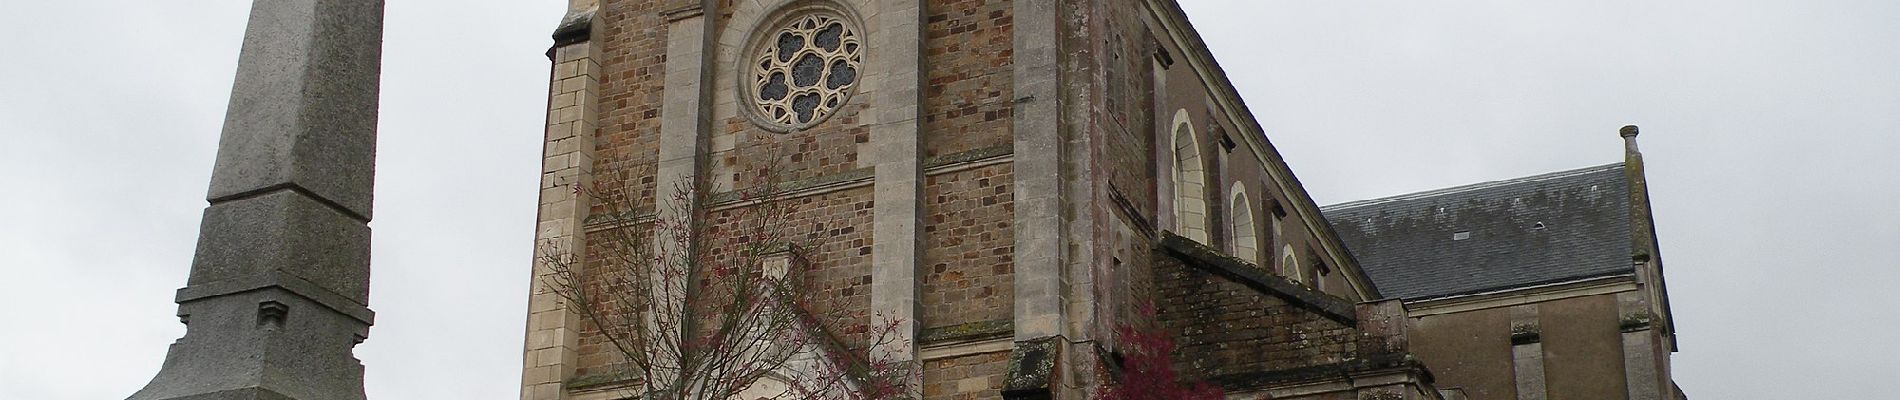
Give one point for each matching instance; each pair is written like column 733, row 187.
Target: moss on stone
column 600, row 381
column 967, row 156
column 968, row 331
column 1634, row 322
column 1031, row 369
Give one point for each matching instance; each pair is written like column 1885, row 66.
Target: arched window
column 1245, row 243
column 1190, row 181
column 1290, row 265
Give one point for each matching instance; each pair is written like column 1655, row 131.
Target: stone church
column 1016, row 179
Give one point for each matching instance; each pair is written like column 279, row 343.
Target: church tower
column 1011, row 180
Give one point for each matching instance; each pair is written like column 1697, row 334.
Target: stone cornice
column 1201, row 257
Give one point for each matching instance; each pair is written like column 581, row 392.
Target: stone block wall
column 1223, row 327
column 974, row 377
column 966, row 203
column 968, row 246
column 594, row 355
column 632, row 42
column 967, row 82
column 740, row 152
column 838, row 248
column 1058, row 251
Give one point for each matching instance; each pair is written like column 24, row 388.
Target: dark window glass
column 805, row 105
column 789, row 44
column 803, row 74
column 806, row 71
column 774, row 88
column 841, row 74
column 828, row 38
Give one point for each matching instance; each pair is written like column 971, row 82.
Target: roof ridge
column 1471, row 187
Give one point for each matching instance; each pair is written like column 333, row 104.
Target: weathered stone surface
column 1199, row 256
column 278, row 293
column 263, row 344
column 303, row 109
column 1032, row 369
column 284, row 231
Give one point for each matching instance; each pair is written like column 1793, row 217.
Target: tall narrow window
column 1245, row 243
column 1190, row 181
column 1276, row 233
column 1290, row 265
column 1318, row 271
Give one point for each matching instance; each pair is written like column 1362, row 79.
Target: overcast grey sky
column 1768, row 127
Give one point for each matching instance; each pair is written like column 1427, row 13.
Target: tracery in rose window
column 805, row 71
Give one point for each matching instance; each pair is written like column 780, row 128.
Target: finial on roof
column 1629, row 142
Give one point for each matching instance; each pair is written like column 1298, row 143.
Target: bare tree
column 707, row 304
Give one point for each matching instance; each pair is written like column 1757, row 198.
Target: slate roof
column 1406, row 243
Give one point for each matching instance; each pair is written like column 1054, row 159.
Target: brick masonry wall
column 633, row 46
column 968, row 231
column 969, row 45
column 837, row 242
column 743, row 151
column 968, row 80
column 967, row 264
column 834, row 229
column 595, row 355
column 971, row 377
column 1222, row 327
column 1126, row 163
column 827, row 149
column 968, row 246
column 632, row 38
column 632, row 34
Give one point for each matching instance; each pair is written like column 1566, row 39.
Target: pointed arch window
column 1244, row 242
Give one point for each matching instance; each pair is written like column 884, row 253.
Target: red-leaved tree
column 1148, row 367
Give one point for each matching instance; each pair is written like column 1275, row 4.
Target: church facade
column 1013, row 180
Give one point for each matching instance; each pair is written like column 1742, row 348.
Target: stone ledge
column 278, row 279
column 968, row 156
column 968, row 332
column 820, row 185
column 601, row 381
column 576, row 27
column 798, row 188
column 1346, row 370
column 1199, row 256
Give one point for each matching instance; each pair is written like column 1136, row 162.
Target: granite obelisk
column 279, row 289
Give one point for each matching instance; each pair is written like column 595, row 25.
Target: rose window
column 805, row 71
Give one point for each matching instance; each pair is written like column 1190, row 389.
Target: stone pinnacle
column 279, row 289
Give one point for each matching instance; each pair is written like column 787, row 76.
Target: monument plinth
column 279, row 289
